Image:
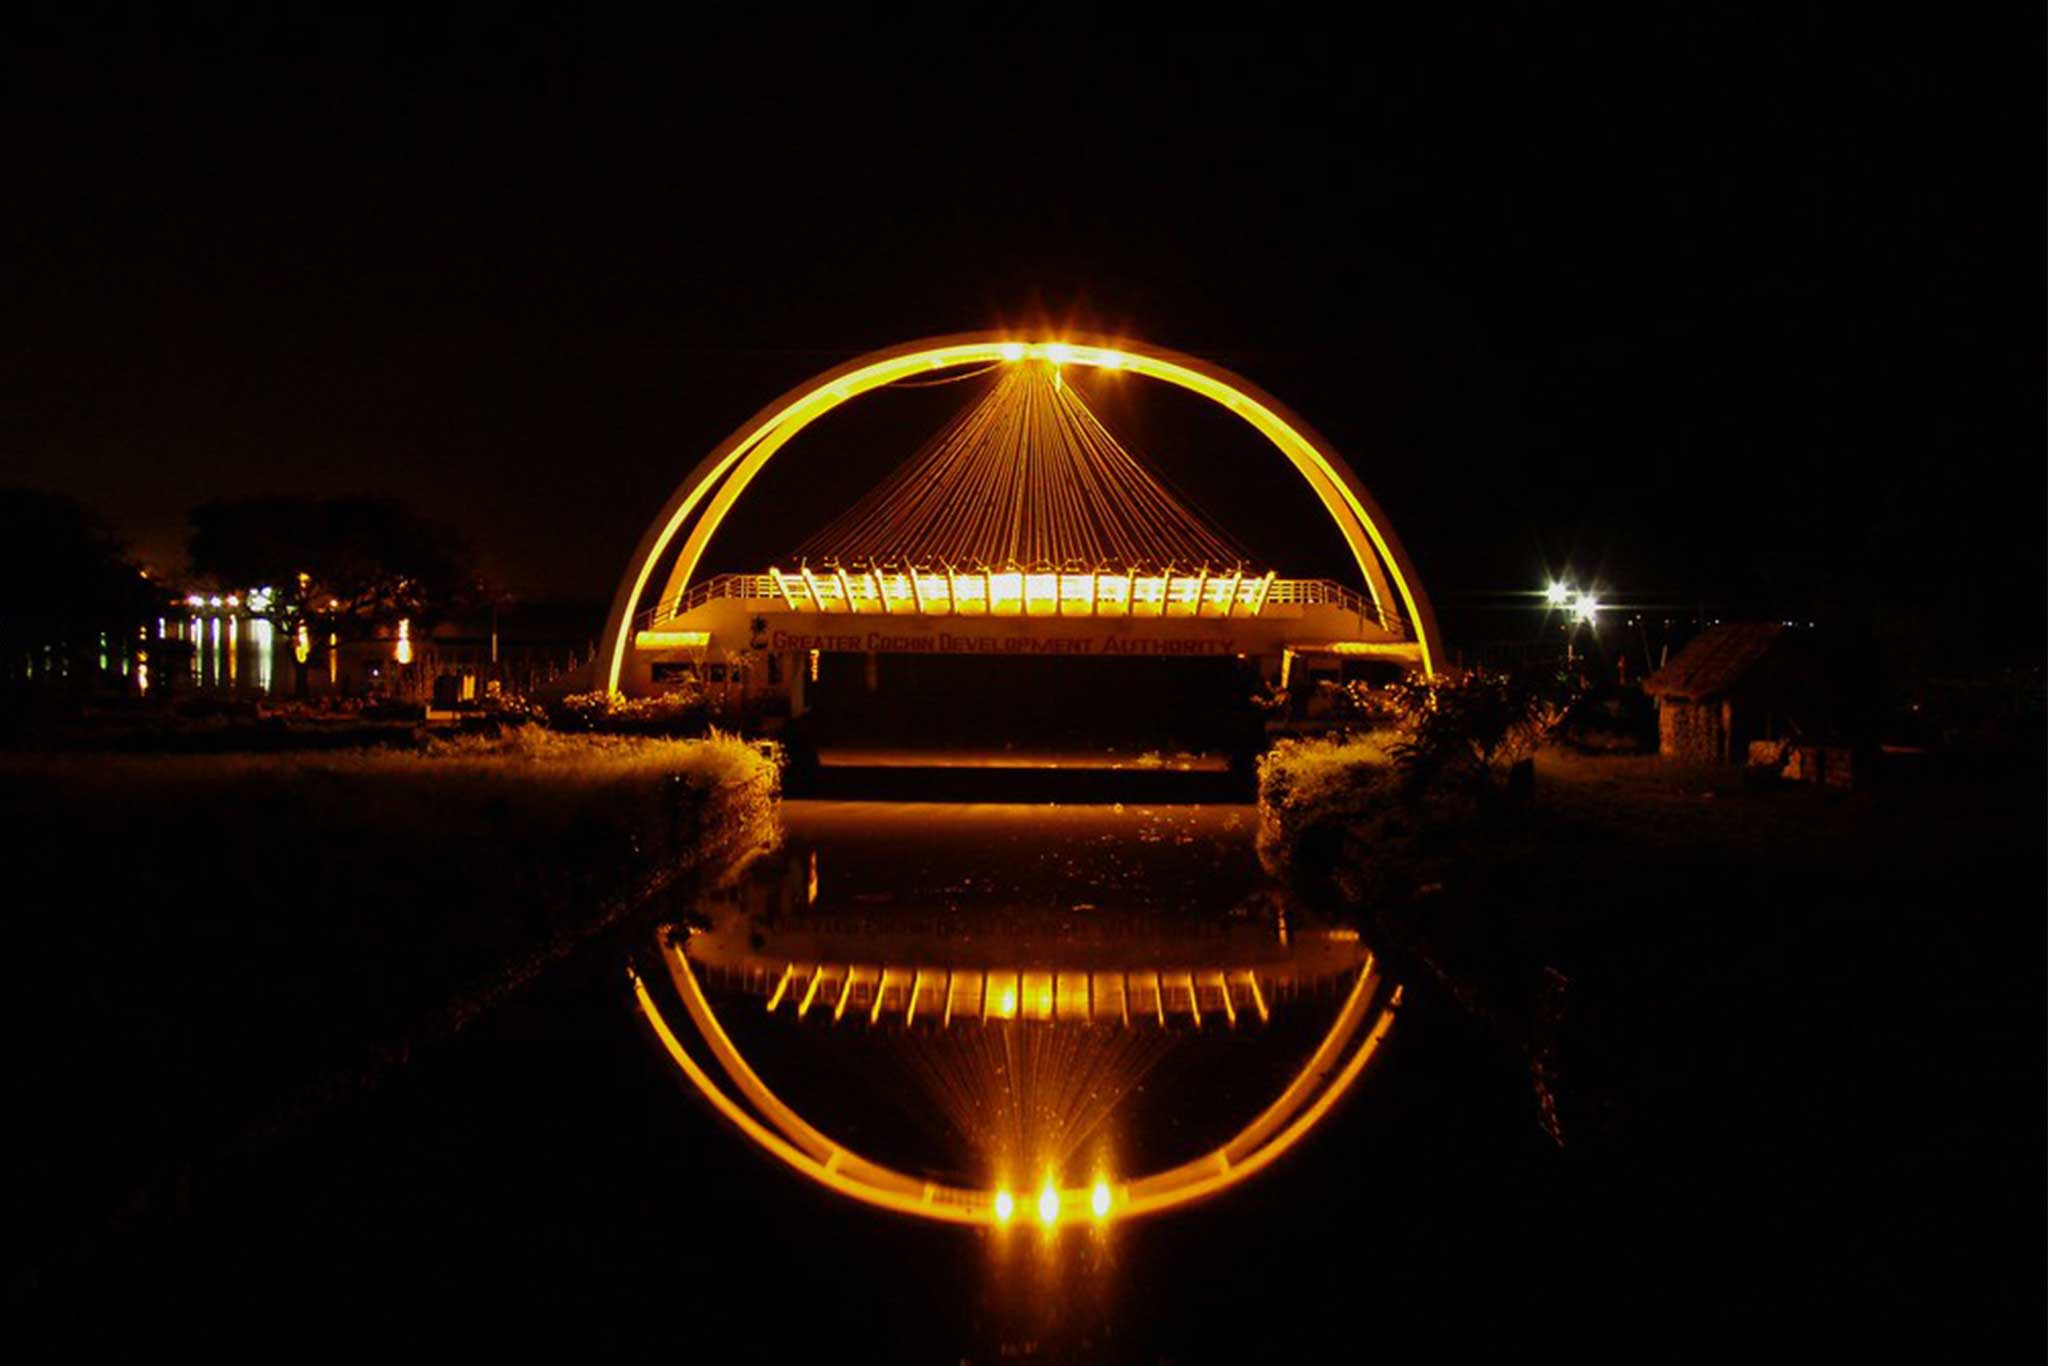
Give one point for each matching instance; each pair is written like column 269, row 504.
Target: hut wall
column 1689, row 730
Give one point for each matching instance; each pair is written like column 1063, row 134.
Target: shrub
column 1390, row 807
column 680, row 711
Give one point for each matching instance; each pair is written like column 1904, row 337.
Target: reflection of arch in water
column 1352, row 1040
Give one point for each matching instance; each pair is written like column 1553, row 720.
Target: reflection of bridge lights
column 769, row 1123
column 1098, row 1200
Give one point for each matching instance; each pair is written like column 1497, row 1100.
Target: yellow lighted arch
column 723, row 476
column 1321, row 1083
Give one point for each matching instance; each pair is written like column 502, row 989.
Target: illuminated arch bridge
column 1024, row 526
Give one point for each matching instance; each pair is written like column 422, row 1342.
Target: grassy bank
column 209, row 948
column 1665, row 943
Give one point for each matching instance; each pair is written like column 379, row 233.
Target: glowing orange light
column 723, row 476
column 1322, row 1082
column 670, row 640
column 1098, row 1200
column 1049, row 1204
column 302, row 644
column 1005, row 1207
column 402, row 651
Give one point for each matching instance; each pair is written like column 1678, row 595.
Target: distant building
column 1737, row 683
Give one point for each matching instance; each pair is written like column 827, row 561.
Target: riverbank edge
column 707, row 807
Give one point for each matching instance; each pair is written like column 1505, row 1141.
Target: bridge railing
column 1022, row 595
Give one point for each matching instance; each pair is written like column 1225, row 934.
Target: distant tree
column 343, row 565
column 68, row 577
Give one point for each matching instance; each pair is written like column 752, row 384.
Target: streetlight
column 1558, row 594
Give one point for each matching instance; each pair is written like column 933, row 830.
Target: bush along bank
column 1419, row 817
column 236, row 943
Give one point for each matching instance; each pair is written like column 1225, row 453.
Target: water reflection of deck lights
column 909, row 993
column 1308, row 1098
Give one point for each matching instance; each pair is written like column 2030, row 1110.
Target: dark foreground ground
column 1802, row 1111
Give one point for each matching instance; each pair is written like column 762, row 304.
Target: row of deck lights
column 1025, row 592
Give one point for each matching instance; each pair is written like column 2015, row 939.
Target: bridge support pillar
column 796, row 666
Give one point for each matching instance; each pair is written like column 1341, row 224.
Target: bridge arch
column 703, row 499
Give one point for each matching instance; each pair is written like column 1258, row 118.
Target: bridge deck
column 1017, row 594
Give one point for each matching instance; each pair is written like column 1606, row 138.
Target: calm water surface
column 552, row 1180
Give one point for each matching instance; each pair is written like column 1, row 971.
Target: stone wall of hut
column 1689, row 730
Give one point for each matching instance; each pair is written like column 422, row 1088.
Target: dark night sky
column 1737, row 310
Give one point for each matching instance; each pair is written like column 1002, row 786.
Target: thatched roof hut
column 1735, row 683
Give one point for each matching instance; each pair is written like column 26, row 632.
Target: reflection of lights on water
column 262, row 637
column 1352, row 1039
column 402, row 652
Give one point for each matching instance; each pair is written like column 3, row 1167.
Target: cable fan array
column 1023, row 503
